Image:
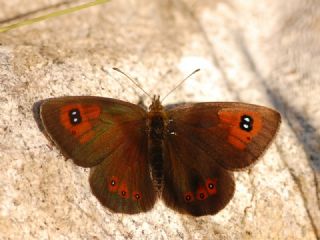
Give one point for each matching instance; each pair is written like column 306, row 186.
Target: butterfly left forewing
column 88, row 129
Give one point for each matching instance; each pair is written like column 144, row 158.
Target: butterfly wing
column 203, row 143
column 122, row 182
column 233, row 134
column 88, row 129
column 110, row 136
column 192, row 182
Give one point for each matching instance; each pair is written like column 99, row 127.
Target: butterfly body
column 157, row 127
column 184, row 155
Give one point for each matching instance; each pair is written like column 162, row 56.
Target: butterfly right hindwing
column 192, row 182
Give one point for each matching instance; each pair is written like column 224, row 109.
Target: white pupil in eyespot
column 74, row 113
column 245, row 125
column 75, row 119
column 247, row 119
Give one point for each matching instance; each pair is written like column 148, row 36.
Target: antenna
column 133, row 81
column 180, row 83
column 51, row 15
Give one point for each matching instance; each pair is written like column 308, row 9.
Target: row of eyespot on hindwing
column 122, row 189
column 203, row 192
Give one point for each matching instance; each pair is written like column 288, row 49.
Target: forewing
column 234, row 135
column 88, row 129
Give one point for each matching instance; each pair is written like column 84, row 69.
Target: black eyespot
column 201, row 195
column 188, row 198
column 123, row 193
column 136, row 196
column 113, row 183
column 246, row 123
column 75, row 116
column 210, row 185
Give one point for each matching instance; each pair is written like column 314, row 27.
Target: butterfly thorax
column 156, row 125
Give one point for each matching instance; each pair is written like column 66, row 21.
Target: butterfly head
column 156, row 105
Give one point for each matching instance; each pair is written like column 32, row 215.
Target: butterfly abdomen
column 156, row 130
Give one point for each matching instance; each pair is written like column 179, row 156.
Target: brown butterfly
column 183, row 154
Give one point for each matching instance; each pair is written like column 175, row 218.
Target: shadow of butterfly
column 183, row 155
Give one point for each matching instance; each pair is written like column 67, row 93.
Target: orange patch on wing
column 235, row 141
column 82, row 131
column 238, row 137
column 86, row 137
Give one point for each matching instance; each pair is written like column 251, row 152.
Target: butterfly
column 184, row 155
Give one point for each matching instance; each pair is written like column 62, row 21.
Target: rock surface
column 262, row 52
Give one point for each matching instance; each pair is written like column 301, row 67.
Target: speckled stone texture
column 264, row 52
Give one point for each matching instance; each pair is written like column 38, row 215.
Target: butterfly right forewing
column 233, row 134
